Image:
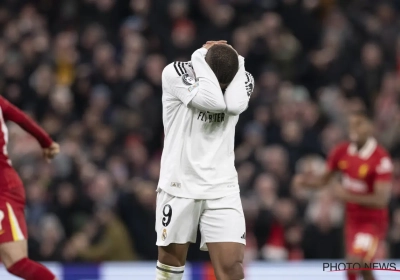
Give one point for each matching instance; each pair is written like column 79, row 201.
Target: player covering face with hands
column 366, row 175
column 13, row 230
column 198, row 186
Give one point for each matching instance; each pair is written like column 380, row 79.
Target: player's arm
column 209, row 95
column 314, row 181
column 12, row 113
column 238, row 92
column 382, row 188
column 378, row 199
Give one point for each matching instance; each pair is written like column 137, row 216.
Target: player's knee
column 10, row 255
column 356, row 262
column 171, row 260
column 231, row 270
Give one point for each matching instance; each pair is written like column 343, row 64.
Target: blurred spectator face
column 92, row 35
column 269, row 80
column 331, row 136
column 104, row 55
column 140, row 7
column 294, row 235
column 266, row 187
column 145, row 192
column 262, row 115
column 26, row 48
column 105, row 5
column 100, row 98
column 371, row 55
column 254, row 135
column 275, row 160
column 138, row 154
column 285, row 211
column 385, row 13
column 154, row 67
column 101, row 188
column 61, row 100
column 183, row 34
column 35, row 193
column 310, row 114
column 241, row 41
column 222, row 15
column 360, row 128
column 271, row 23
column 245, row 173
column 118, row 169
column 154, row 169
column 292, row 132
column 177, row 9
column 51, row 229
column 43, row 80
column 66, row 194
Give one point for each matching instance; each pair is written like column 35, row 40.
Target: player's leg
column 227, row 260
column 363, row 249
column 223, row 232
column 177, row 221
column 171, row 261
column 13, row 245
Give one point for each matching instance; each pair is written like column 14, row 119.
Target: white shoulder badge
column 187, row 80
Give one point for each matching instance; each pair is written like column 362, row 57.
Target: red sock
column 30, row 270
column 351, row 276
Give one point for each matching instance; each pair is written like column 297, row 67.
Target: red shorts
column 363, row 240
column 12, row 221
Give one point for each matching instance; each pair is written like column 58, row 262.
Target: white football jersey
column 199, row 125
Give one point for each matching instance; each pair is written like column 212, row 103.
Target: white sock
column 166, row 272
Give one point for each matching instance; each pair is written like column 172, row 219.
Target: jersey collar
column 366, row 151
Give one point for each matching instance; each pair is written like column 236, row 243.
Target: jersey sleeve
column 384, row 169
column 12, row 113
column 238, row 92
column 209, row 95
column 334, row 158
column 172, row 83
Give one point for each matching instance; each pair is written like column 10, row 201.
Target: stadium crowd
column 89, row 71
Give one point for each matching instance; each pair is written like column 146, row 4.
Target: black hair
column 362, row 113
column 223, row 60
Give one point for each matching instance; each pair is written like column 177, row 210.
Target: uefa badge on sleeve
column 187, row 80
column 164, row 234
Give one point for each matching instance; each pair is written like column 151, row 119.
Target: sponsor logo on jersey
column 164, row 234
column 211, row 117
column 363, row 170
column 342, row 164
column 243, row 236
column 187, row 80
column 354, row 184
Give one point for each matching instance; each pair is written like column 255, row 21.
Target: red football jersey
column 10, row 183
column 360, row 171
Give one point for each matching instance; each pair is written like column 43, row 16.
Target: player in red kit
column 13, row 230
column 366, row 176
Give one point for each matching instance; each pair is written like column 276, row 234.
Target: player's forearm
column 317, row 182
column 209, row 96
column 17, row 116
column 369, row 200
column 236, row 98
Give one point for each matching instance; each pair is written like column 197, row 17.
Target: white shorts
column 220, row 220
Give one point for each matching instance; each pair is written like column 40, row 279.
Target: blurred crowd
column 89, row 71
